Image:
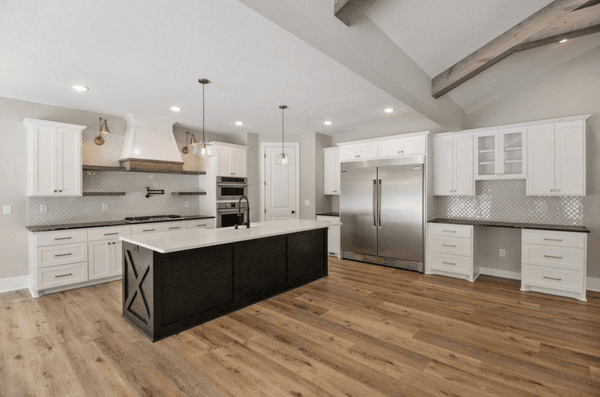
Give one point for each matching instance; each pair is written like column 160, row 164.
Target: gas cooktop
column 154, row 218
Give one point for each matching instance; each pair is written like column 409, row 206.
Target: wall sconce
column 99, row 140
column 193, row 143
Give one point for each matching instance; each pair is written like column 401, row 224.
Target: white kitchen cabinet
column 402, row 146
column 333, row 235
column 105, row 259
column 331, row 174
column 450, row 250
column 201, row 224
column 556, row 159
column 453, row 166
column 500, row 154
column 358, row 151
column 231, row 160
column 158, row 227
column 54, row 158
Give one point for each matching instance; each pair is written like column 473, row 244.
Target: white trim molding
column 14, row 283
column 500, row 273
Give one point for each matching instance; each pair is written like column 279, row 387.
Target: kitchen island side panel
column 164, row 294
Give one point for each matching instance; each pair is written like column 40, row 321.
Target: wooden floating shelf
column 122, row 169
column 103, row 193
column 188, row 193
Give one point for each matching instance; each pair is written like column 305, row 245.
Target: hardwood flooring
column 363, row 331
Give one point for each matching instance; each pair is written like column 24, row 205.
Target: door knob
column 293, row 212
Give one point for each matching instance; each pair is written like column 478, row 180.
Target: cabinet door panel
column 348, row 152
column 540, row 178
column 569, row 153
column 486, row 156
column 512, row 150
column 223, row 158
column 117, row 261
column 331, row 180
column 367, row 151
column 100, row 259
column 69, row 162
column 44, row 168
column 442, row 166
column 414, row 145
column 464, row 182
column 391, row 147
column 238, row 160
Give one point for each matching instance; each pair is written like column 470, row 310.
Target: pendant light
column 99, row 140
column 203, row 150
column 282, row 158
column 193, row 143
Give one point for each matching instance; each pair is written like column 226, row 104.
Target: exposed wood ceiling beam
column 365, row 50
column 532, row 32
column 353, row 10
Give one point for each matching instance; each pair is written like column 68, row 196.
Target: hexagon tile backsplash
column 505, row 201
column 134, row 203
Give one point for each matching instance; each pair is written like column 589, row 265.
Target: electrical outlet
column 104, row 206
column 544, row 207
column 306, row 203
column 7, row 210
column 43, row 209
column 187, row 204
column 502, row 252
column 461, row 206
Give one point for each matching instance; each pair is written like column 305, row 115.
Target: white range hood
column 150, row 144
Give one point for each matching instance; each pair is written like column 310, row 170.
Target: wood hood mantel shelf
column 122, row 169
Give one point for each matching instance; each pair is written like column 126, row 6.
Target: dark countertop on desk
column 330, row 214
column 513, row 225
column 67, row 226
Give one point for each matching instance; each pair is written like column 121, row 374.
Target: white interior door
column 280, row 195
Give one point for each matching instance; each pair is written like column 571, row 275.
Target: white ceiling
column 143, row 57
column 436, row 34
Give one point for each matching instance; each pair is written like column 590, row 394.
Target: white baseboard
column 14, row 283
column 593, row 284
column 500, row 273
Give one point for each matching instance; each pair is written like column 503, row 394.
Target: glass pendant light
column 203, row 150
column 282, row 158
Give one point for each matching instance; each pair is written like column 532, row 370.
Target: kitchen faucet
column 247, row 211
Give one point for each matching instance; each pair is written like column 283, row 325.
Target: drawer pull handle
column 553, row 257
column 110, row 234
column 63, row 238
column 204, row 224
column 64, row 275
column 552, row 278
column 148, row 230
column 173, row 228
column 70, row 253
column 449, row 231
column 449, row 263
column 553, row 239
column 449, row 245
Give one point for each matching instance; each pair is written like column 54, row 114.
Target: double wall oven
column 229, row 190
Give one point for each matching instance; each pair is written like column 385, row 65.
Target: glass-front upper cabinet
column 500, row 154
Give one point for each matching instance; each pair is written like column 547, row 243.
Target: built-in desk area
column 553, row 257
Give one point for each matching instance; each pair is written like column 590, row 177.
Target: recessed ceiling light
column 388, row 110
column 176, row 108
column 80, row 88
column 239, row 123
column 563, row 41
column 328, row 122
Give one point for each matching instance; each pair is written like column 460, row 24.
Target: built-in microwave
column 231, row 188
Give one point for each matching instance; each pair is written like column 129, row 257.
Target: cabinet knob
column 293, row 212
column 551, row 190
column 55, row 191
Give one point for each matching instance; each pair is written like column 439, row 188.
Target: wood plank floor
column 363, row 331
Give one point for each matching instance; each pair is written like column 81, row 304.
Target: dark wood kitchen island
column 174, row 281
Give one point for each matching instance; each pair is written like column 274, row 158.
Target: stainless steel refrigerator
column 381, row 209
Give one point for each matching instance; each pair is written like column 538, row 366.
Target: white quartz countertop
column 181, row 240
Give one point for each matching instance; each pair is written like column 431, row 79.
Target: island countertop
column 181, row 240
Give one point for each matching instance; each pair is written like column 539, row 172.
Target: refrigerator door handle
column 379, row 203
column 375, row 201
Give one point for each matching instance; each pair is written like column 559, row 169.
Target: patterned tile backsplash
column 134, row 203
column 505, row 201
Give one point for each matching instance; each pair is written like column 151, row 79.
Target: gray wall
column 13, row 171
column 322, row 202
column 572, row 89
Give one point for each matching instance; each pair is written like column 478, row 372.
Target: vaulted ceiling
column 143, row 57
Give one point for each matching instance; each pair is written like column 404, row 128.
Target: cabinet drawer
column 557, row 239
column 170, row 226
column 57, row 276
column 558, row 257
column 324, row 218
column 201, row 224
column 60, row 237
column 61, row 254
column 558, row 279
column 457, row 246
column 147, row 228
column 449, row 230
column 450, row 263
column 108, row 233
